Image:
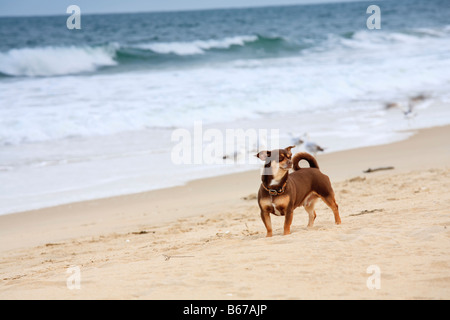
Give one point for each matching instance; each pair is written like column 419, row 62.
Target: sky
column 59, row 7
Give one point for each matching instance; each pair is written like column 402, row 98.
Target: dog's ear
column 288, row 149
column 263, row 155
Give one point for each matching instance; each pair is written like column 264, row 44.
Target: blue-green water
column 124, row 42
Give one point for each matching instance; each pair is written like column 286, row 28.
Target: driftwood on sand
column 378, row 169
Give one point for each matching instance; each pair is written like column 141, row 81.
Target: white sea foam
column 95, row 105
column 54, row 61
column 196, row 46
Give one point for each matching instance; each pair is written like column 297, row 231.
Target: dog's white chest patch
column 277, row 212
column 275, row 202
column 280, row 202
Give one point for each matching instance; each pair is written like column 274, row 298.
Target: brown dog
column 281, row 192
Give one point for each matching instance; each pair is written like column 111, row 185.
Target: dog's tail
column 304, row 156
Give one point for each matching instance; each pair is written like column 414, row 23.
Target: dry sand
column 205, row 240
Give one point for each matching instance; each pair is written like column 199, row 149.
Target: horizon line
column 191, row 10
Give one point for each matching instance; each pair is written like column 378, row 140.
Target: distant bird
column 295, row 140
column 237, row 155
column 390, row 105
column 408, row 111
column 313, row 148
column 417, row 99
column 240, row 153
column 310, row 146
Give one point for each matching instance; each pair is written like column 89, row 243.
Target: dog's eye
column 281, row 158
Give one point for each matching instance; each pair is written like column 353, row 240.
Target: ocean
column 91, row 113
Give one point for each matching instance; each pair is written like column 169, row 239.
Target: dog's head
column 279, row 159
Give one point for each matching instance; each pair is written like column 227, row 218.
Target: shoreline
column 336, row 165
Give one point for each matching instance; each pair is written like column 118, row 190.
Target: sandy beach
column 205, row 240
column 128, row 130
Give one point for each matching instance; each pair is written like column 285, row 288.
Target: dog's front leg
column 288, row 221
column 265, row 216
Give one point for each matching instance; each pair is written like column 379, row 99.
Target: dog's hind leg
column 331, row 202
column 309, row 207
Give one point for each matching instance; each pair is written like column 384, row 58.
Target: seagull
column 390, row 105
column 408, row 111
column 235, row 155
column 295, row 140
column 417, row 99
column 240, row 153
column 409, row 114
column 311, row 146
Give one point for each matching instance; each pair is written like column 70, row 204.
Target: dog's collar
column 275, row 192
